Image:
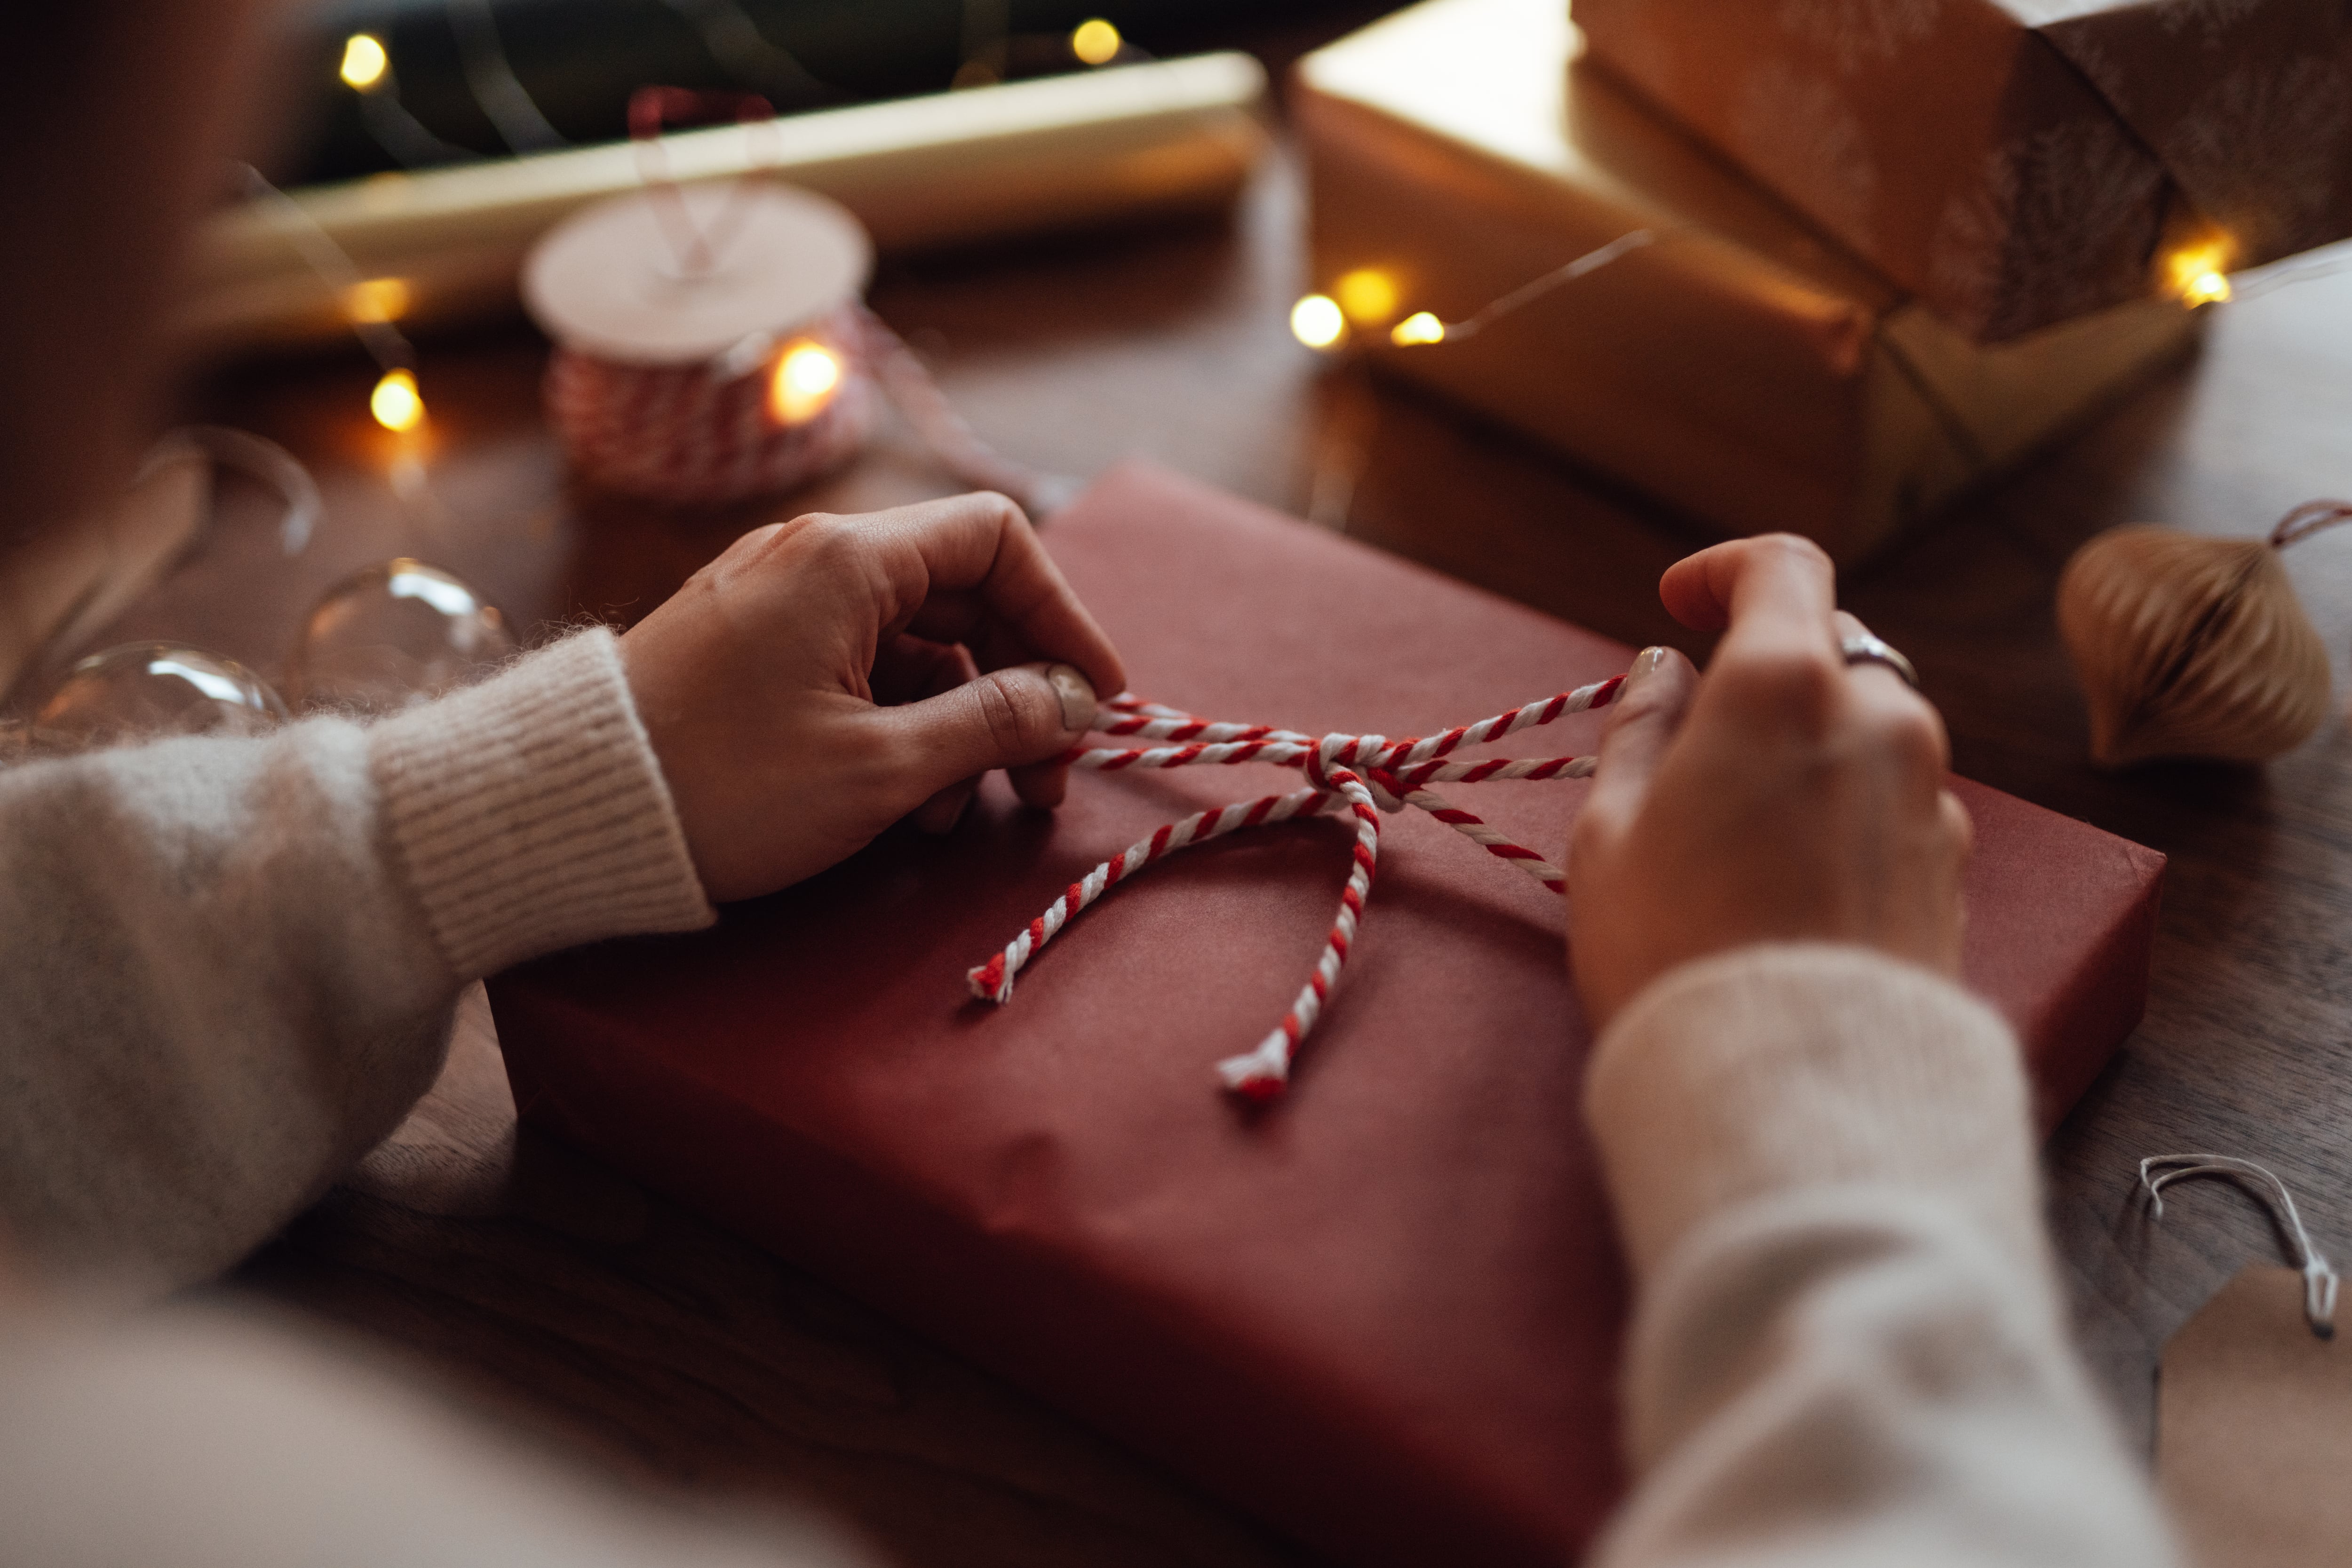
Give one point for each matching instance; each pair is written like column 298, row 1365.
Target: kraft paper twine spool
column 712, row 343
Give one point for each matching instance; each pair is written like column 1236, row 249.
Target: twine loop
column 2307, row 520
column 1365, row 776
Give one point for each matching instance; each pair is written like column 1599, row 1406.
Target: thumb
column 1642, row 722
column 1007, row 718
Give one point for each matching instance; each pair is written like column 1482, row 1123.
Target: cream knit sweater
column 231, row 970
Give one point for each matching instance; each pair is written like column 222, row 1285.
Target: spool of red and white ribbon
column 703, row 370
column 712, row 344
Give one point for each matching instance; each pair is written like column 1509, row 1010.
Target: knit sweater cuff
column 1773, row 1068
column 530, row 812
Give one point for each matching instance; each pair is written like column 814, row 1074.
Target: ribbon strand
column 1365, row 775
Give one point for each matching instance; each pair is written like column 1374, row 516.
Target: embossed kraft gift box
column 1383, row 1312
column 2017, row 162
column 1745, row 368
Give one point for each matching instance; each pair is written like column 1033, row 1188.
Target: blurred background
column 454, row 66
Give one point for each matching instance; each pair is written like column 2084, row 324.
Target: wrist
column 531, row 814
column 1783, row 1066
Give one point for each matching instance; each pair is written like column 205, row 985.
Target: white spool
column 696, row 328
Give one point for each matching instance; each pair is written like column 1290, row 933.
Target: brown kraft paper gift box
column 1744, row 368
column 1383, row 1313
column 2018, row 163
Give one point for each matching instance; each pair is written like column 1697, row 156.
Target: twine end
column 990, row 983
column 1259, row 1077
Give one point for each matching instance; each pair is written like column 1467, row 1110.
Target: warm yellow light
column 1369, row 296
column 364, row 61
column 2200, row 273
column 2207, row 288
column 377, row 301
column 1096, row 42
column 1317, row 322
column 807, row 375
column 394, row 402
column 1421, row 327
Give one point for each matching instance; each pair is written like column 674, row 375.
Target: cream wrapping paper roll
column 1061, row 151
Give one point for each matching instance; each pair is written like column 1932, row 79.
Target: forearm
column 231, row 963
column 196, row 1435
column 1848, row 1345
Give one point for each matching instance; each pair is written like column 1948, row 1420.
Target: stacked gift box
column 1896, row 247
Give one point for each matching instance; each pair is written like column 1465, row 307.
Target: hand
column 1784, row 796
column 828, row 676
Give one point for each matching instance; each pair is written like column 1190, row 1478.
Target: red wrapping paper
column 1383, row 1313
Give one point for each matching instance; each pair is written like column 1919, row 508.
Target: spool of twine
column 691, row 436
column 712, row 344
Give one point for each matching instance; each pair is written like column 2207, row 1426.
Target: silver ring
column 1865, row 649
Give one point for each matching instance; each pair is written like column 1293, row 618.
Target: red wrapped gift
column 1383, row 1312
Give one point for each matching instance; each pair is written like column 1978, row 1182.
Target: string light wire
column 384, row 342
column 490, row 78
column 366, row 67
column 1423, row 327
column 746, row 53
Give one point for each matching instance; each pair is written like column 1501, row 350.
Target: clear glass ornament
column 392, row 635
column 144, row 690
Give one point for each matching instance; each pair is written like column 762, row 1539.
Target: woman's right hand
column 1782, row 796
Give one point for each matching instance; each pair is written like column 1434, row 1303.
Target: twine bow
column 1367, row 775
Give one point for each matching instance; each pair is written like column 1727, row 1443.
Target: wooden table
column 562, row 1296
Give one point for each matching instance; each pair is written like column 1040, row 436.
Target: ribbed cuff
column 530, row 812
column 1775, row 1069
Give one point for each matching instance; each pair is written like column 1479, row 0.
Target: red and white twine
column 1364, row 775
column 696, row 434
column 707, row 434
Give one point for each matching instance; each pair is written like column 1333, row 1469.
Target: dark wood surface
column 530, row 1280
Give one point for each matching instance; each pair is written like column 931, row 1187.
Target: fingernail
column 1077, row 696
column 1645, row 664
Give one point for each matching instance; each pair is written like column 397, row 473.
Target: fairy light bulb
column 2207, row 288
column 364, row 61
column 1317, row 322
column 1368, row 295
column 1095, row 41
column 376, row 301
column 396, row 402
column 2200, row 274
column 807, row 375
column 1421, row 327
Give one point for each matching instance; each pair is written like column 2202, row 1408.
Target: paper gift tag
column 2254, row 1429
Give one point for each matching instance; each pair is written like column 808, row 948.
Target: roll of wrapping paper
column 983, row 164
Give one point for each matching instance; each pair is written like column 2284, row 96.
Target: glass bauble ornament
column 392, row 635
column 144, row 690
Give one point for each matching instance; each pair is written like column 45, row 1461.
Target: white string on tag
column 2319, row 1280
